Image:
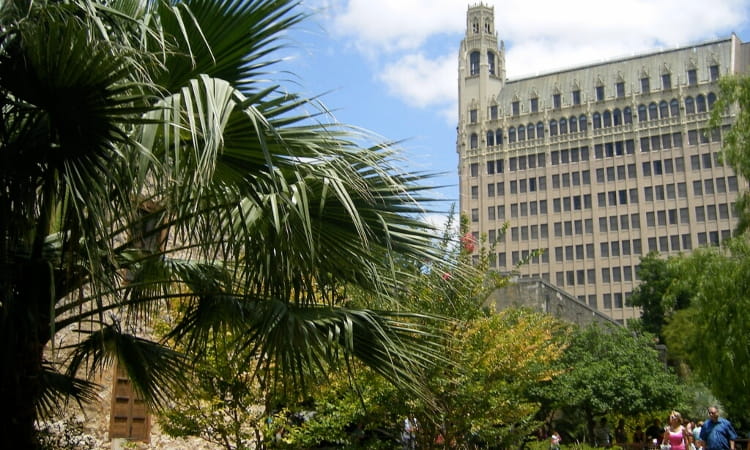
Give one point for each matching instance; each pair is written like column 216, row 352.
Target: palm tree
column 145, row 164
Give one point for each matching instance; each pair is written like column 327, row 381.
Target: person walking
column 675, row 434
column 717, row 433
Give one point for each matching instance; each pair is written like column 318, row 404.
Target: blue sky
column 390, row 66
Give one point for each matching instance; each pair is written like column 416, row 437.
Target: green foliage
column 499, row 359
column 224, row 403
column 712, row 334
column 734, row 100
column 145, row 160
column 608, row 370
column 659, row 293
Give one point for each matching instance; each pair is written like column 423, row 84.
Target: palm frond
column 154, row 369
column 60, row 388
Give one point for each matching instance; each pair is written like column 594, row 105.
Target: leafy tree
column 498, row 359
column 657, row 294
column 712, row 335
column 144, row 162
column 734, row 98
column 608, row 370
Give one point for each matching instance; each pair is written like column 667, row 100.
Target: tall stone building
column 597, row 165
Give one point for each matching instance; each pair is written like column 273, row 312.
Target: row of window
column 600, row 94
column 606, row 119
column 580, row 202
column 606, row 249
column 621, row 172
column 616, row 274
column 601, row 151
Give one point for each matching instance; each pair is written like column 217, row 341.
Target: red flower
column 468, row 243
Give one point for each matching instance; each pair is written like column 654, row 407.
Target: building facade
column 597, row 165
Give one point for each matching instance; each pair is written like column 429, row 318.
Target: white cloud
column 421, row 81
column 401, row 38
column 391, row 25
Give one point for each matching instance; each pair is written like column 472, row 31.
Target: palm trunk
column 25, row 330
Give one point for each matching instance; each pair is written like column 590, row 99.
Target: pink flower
column 468, row 243
column 446, row 276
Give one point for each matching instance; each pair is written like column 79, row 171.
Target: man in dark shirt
column 654, row 431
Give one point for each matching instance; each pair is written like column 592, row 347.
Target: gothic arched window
column 674, row 108
column 474, row 63
column 642, row 117
column 491, row 62
column 474, row 140
column 616, row 117
column 627, row 115
column 582, row 122
column 490, row 138
column 573, row 124
column 663, row 109
column 653, row 111
column 553, row 127
column 511, row 135
column 499, row 136
column 689, row 105
column 539, row 130
column 597, row 119
column 563, row 126
column 700, row 103
column 607, row 119
column 711, row 100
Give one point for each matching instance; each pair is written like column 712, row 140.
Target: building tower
column 596, row 165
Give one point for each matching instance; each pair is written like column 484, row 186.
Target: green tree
column 658, row 294
column 143, row 161
column 608, row 370
column 712, row 335
column 732, row 110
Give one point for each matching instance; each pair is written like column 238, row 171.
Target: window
column 474, row 63
column 539, row 131
column 511, row 135
column 600, row 93
column 474, row 192
column 577, row 97
column 582, row 122
column 491, row 62
column 553, row 127
column 663, row 109
column 692, row 76
column 653, row 111
column 645, row 85
column 493, row 112
column 521, row 133
column 490, row 139
column 516, row 108
column 474, row 169
column 597, row 120
column 534, row 105
column 556, row 102
column 714, row 72
column 499, row 136
column 627, row 115
column 620, row 89
column 689, row 105
column 700, row 103
column 474, row 141
column 563, row 126
column 666, row 81
column 674, row 108
column 473, row 116
column 642, row 116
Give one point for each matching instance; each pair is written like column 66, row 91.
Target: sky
column 391, row 66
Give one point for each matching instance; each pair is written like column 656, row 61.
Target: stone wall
column 537, row 294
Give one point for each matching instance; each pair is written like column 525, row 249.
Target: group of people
column 715, row 433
